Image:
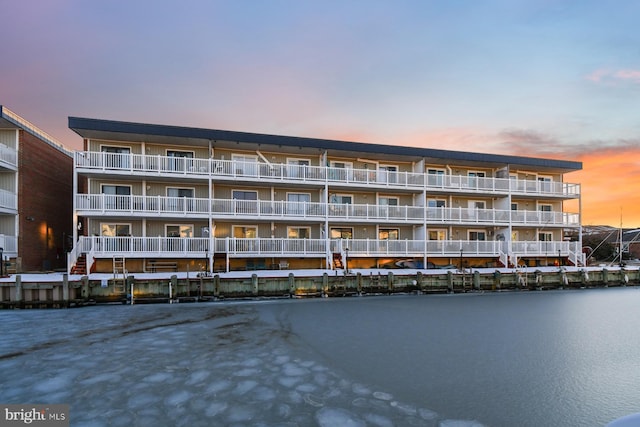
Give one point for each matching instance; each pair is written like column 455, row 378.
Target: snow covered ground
column 57, row 277
column 199, row 364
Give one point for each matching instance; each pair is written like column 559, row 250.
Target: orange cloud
column 609, row 180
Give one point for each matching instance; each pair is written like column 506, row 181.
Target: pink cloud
column 633, row 75
column 609, row 76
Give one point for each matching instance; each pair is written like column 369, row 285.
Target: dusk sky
column 535, row 78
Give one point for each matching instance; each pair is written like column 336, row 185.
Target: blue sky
column 539, row 78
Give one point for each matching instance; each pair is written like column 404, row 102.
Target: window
column 297, row 168
column 341, row 199
column 299, row 232
column 388, row 201
column 179, row 192
column 245, row 164
column 182, row 230
column 117, row 197
column 545, row 183
column 545, row 236
column 477, row 235
column 180, row 160
column 473, row 178
column 437, row 234
column 436, row 203
column 435, row 177
column 387, row 173
column 296, row 203
column 388, row 234
column 116, row 157
column 514, row 206
column 179, row 199
column 245, row 201
column 477, row 204
column 115, row 229
column 341, row 171
column 435, row 209
column 341, row 233
column 245, row 231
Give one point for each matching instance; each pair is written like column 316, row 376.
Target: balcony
column 161, row 206
column 131, row 246
column 8, row 201
column 147, row 166
column 8, row 156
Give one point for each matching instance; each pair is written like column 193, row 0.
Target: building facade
column 36, row 176
column 155, row 197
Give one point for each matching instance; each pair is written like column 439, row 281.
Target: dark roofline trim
column 78, row 124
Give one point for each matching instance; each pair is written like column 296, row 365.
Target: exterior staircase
column 81, row 265
column 337, row 261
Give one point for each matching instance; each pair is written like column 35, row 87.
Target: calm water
column 561, row 358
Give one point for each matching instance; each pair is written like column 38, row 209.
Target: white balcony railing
column 8, row 200
column 8, row 155
column 197, row 246
column 544, row 248
column 233, row 170
column 132, row 205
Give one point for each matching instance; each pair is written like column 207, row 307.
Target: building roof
column 10, row 119
column 129, row 131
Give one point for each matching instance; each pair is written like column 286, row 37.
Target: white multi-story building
column 164, row 197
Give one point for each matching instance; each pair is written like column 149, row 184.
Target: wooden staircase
column 81, row 265
column 337, row 261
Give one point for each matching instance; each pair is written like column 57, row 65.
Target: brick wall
column 45, row 191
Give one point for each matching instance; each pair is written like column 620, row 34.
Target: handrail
column 233, row 170
column 135, row 204
column 199, row 246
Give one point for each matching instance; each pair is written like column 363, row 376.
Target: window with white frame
column 437, row 234
column 475, row 178
column 388, row 201
column 179, row 230
column 340, row 170
column 545, row 236
column 387, row 173
column 115, row 229
column 245, row 201
column 341, row 232
column 116, row 196
column 297, row 202
column 299, row 232
column 297, row 168
column 342, row 199
column 435, row 177
column 477, row 235
column 545, row 183
column 388, row 234
column 180, row 160
column 245, row 231
column 244, row 164
column 115, row 156
column 436, row 203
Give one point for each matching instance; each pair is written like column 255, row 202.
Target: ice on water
column 185, row 365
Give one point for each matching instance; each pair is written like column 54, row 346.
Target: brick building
column 36, row 177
